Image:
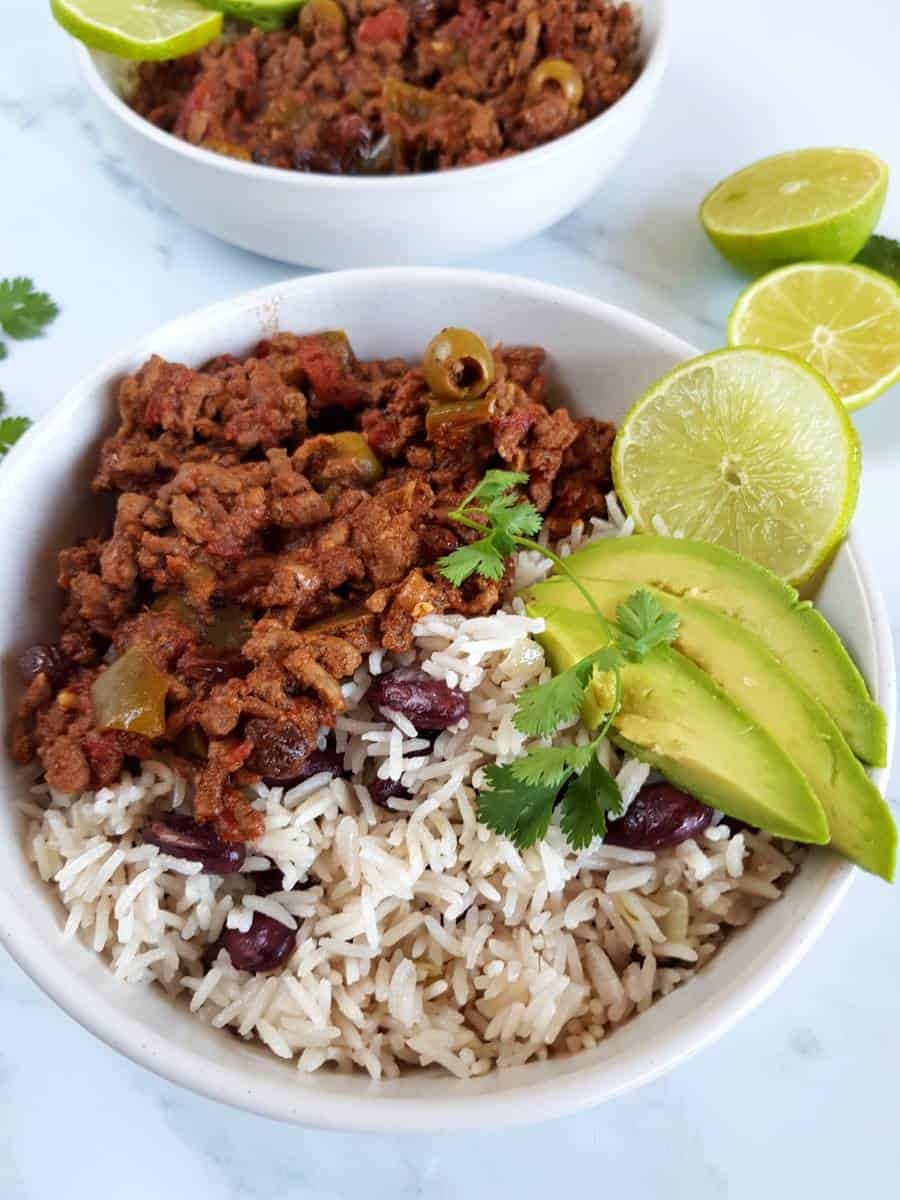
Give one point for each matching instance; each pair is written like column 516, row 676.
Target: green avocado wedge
column 792, row 629
column 677, row 718
column 860, row 822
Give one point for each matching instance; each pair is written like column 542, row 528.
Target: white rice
column 424, row 938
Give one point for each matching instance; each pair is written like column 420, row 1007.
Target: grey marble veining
column 799, row 1100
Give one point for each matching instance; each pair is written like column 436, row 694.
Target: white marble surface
column 800, row 1100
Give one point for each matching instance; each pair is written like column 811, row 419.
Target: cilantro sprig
column 24, row 313
column 522, row 795
column 11, row 428
column 882, row 254
column 504, row 519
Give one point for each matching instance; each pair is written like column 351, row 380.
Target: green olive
column 326, row 16
column 559, row 72
column 354, row 447
column 457, row 414
column 458, row 365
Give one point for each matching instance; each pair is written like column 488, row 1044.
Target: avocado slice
column 792, row 629
column 677, row 718
column 862, row 827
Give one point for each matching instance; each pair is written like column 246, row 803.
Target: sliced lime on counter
column 144, row 30
column 819, row 204
column 747, row 448
column 843, row 319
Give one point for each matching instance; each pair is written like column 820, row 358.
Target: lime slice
column 807, row 204
column 843, row 319
column 747, row 448
column 139, row 29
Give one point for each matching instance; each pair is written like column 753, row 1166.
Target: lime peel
column 818, row 204
column 151, row 30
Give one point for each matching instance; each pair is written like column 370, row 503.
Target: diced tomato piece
column 467, row 23
column 248, row 67
column 326, row 361
column 389, row 25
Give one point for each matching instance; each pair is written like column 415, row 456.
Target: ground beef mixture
column 378, row 87
column 276, row 518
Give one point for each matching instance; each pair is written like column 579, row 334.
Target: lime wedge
column 750, row 449
column 807, row 204
column 148, row 29
column 843, row 319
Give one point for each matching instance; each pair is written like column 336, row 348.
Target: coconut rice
column 422, row 937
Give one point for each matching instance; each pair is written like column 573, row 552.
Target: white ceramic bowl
column 330, row 221
column 601, row 358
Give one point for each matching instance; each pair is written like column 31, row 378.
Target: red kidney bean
column 272, row 880
column 659, row 816
column 428, row 703
column 268, row 881
column 183, row 837
column 382, row 790
column 265, row 945
column 42, row 659
column 279, row 751
column 319, row 761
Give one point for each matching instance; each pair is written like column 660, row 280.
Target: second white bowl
column 345, row 221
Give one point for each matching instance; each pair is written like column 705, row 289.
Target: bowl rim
column 518, row 1104
column 453, row 179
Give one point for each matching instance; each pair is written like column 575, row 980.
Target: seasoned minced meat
column 252, row 561
column 378, row 87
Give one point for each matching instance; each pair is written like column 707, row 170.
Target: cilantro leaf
column 644, row 624
column 478, row 558
column 11, row 429
column 548, row 766
column 494, row 485
column 537, row 812
column 518, row 810
column 586, row 802
column 23, row 311
column 2, row 351
column 523, row 520
column 542, row 709
column 882, row 254
column 502, row 515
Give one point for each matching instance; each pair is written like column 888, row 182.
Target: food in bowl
column 364, row 87
column 271, row 727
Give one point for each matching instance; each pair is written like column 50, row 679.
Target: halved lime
column 139, row 29
column 750, row 449
column 816, row 204
column 842, row 318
